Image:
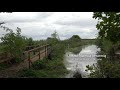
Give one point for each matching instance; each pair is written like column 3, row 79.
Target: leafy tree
column 108, row 25
column 109, row 35
column 54, row 38
column 55, row 35
column 30, row 41
column 75, row 38
column 14, row 43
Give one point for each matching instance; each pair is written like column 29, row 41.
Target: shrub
column 40, row 64
column 27, row 73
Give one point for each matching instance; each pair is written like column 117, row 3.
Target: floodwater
column 77, row 62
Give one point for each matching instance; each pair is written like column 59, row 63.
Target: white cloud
column 41, row 25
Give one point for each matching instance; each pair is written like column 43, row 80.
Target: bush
column 106, row 45
column 40, row 64
column 27, row 73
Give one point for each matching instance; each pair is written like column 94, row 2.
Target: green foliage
column 105, row 69
column 109, row 25
column 75, row 38
column 106, row 45
column 40, row 64
column 14, row 43
column 46, row 68
column 55, row 35
column 27, row 73
column 30, row 41
column 108, row 39
column 53, row 39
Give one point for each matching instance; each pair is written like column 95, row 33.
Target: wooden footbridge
column 31, row 55
column 37, row 53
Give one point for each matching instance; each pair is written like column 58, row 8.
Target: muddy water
column 77, row 62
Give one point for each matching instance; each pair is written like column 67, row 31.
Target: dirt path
column 11, row 71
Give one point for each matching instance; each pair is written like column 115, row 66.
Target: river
column 77, row 62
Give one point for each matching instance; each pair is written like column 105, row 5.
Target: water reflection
column 76, row 50
column 78, row 62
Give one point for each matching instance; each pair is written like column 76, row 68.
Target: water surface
column 78, row 62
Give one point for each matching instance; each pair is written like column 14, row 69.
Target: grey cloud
column 41, row 25
column 79, row 23
column 17, row 19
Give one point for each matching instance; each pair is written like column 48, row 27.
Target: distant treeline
column 88, row 39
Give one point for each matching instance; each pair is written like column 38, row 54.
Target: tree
column 53, row 39
column 75, row 38
column 30, row 41
column 108, row 25
column 55, row 35
column 109, row 34
column 14, row 43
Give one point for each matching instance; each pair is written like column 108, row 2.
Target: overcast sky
column 40, row 25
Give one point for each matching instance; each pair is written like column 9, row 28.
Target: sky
column 40, row 25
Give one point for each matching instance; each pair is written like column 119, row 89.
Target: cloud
column 22, row 17
column 40, row 25
column 78, row 23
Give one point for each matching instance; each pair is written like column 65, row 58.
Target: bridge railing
column 30, row 54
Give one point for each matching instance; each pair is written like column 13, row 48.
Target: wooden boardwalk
column 27, row 62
